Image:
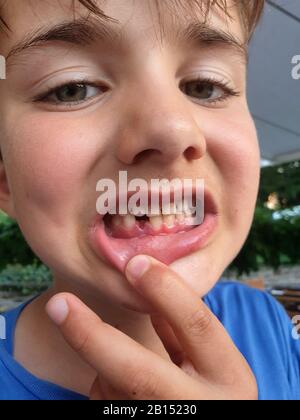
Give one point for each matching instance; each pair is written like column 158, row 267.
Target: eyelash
column 43, row 97
column 224, row 85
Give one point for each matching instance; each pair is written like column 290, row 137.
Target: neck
column 40, row 348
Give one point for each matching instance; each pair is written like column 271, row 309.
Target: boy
column 161, row 94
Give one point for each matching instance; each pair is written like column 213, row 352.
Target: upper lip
column 210, row 205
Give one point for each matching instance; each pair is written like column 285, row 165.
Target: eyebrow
column 85, row 32
column 77, row 32
column 203, row 34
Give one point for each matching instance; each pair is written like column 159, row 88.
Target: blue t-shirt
column 257, row 324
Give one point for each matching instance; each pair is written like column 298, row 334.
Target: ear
column 6, row 201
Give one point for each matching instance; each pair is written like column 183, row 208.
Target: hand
column 204, row 363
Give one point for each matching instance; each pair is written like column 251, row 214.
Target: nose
column 158, row 125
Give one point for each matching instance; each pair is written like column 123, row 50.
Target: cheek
column 235, row 152
column 53, row 157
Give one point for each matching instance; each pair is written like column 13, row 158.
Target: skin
column 61, row 153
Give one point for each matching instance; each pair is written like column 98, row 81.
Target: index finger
column 200, row 333
column 124, row 364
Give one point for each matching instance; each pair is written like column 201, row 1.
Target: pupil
column 204, row 90
column 201, row 90
column 72, row 93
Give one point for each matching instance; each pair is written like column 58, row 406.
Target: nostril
column 145, row 154
column 192, row 153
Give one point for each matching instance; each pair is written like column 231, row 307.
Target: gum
column 142, row 228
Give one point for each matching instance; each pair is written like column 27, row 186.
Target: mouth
column 166, row 237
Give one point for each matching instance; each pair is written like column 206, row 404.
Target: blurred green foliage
column 274, row 238
column 25, row 279
column 20, row 270
column 270, row 243
column 285, row 181
column 13, row 248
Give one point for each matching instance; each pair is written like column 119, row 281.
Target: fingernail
column 57, row 310
column 138, row 266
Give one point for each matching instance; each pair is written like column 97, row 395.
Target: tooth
column 180, row 217
column 156, row 222
column 188, row 211
column 129, row 221
column 155, row 212
column 116, row 220
column 169, row 220
column 141, row 213
column 168, row 209
column 173, row 208
column 178, row 208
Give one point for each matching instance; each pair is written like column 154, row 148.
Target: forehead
column 142, row 18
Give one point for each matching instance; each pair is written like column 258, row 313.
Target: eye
column 208, row 90
column 71, row 94
column 77, row 93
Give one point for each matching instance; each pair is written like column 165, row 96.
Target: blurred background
column 270, row 258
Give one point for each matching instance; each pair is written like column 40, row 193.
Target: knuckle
column 142, row 384
column 198, row 322
column 81, row 337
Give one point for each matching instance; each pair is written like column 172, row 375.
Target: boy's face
column 144, row 115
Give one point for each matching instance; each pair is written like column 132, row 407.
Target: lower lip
column 165, row 248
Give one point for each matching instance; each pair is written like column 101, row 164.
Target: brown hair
column 250, row 10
